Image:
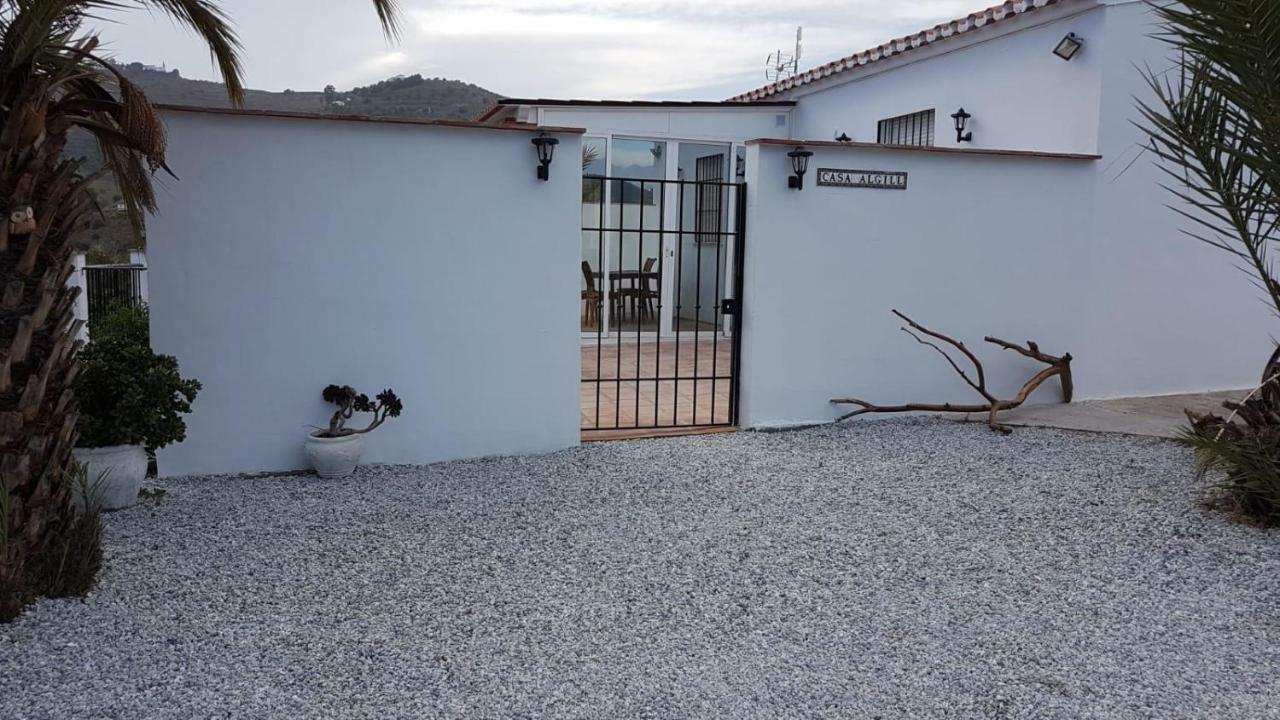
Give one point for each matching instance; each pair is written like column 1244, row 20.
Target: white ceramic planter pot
column 115, row 474
column 335, row 457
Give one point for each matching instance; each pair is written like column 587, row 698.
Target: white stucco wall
column 295, row 253
column 1021, row 96
column 1016, row 247
column 1216, row 332
column 1084, row 257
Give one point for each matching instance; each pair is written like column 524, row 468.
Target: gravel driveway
column 902, row 568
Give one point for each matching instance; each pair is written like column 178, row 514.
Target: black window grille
column 913, row 129
column 710, row 216
column 111, row 286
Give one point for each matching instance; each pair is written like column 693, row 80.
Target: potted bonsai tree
column 131, row 402
column 335, row 451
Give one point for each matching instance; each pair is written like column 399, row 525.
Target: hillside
column 402, row 96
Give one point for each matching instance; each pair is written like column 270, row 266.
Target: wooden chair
column 641, row 294
column 649, row 292
column 590, row 298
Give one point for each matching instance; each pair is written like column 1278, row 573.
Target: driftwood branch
column 981, row 385
column 1059, row 367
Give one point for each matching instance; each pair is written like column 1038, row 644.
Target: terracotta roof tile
column 970, row 22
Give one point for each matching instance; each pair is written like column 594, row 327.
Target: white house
column 1047, row 222
column 678, row 278
column 997, row 63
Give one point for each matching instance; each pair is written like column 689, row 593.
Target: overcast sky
column 619, row 49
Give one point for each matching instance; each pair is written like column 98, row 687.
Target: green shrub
column 128, row 394
column 1249, row 463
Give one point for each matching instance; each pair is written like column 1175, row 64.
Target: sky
column 617, row 49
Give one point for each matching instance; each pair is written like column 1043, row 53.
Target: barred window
column 913, row 129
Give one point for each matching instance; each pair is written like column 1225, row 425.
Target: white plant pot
column 115, row 475
column 335, row 457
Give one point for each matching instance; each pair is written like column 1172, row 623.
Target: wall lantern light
column 799, row 165
column 962, row 118
column 546, row 147
column 1068, row 46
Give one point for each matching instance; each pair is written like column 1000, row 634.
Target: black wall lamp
column 1068, row 46
column 962, row 119
column 799, row 165
column 546, row 147
column 843, row 137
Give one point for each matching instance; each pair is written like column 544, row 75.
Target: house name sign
column 878, row 179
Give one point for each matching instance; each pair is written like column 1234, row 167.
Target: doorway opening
column 661, row 279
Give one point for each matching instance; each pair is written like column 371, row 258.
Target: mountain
column 410, row 96
column 401, row 96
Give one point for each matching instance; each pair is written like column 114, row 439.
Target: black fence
column 661, row 311
column 108, row 286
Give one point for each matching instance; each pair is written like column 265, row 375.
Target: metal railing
column 108, row 286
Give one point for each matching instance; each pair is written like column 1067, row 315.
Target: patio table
column 636, row 278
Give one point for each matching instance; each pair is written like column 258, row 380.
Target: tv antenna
column 780, row 65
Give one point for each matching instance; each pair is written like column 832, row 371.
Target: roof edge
column 554, row 102
column 493, row 109
column 925, row 149
column 291, row 115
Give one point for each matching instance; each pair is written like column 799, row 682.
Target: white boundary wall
column 295, row 253
column 1017, row 247
column 1081, row 256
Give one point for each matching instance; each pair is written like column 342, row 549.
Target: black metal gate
column 661, row 313
column 108, row 286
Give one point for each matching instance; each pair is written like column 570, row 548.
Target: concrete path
column 1159, row 416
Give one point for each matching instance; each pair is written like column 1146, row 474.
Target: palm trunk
column 38, row 412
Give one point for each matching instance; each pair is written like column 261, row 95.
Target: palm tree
column 53, row 80
column 1214, row 126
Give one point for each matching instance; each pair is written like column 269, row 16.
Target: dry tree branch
column 1059, row 367
column 981, row 385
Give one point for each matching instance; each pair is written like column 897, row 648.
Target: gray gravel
column 904, row 568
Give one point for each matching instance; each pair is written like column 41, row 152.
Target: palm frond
column 1214, row 126
column 389, row 15
column 1238, row 43
column 213, row 26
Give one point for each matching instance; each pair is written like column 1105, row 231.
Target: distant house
column 1044, row 83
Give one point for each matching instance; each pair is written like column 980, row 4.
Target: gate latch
column 729, row 306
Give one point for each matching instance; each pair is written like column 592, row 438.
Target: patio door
column 635, row 222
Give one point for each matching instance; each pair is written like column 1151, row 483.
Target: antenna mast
column 780, row 65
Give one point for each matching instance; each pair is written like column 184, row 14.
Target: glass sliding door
column 656, row 218
column 637, row 196
column 592, row 316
